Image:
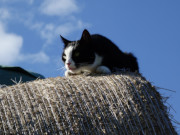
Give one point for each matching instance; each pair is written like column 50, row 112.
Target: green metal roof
column 10, row 74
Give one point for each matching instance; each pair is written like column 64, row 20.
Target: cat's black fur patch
column 113, row 57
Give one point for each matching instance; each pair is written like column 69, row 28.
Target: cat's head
column 78, row 55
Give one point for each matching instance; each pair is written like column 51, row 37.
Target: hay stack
column 124, row 104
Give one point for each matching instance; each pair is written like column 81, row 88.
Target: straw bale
column 124, row 104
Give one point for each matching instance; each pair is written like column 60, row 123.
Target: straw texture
column 124, row 104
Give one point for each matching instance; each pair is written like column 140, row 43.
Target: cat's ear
column 86, row 36
column 65, row 41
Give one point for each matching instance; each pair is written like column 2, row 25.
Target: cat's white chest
column 97, row 62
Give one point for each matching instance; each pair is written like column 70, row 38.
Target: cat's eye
column 76, row 54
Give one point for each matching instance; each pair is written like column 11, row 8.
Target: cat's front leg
column 103, row 70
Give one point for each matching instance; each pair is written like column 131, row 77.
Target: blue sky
column 29, row 35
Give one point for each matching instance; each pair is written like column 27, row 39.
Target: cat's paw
column 103, row 70
column 68, row 73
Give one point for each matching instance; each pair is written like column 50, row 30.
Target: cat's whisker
column 62, row 68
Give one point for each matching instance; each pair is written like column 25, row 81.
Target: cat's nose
column 69, row 63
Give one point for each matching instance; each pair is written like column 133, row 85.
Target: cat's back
column 97, row 38
column 104, row 45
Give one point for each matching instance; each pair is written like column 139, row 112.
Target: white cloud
column 39, row 57
column 51, row 31
column 10, row 46
column 30, row 1
column 69, row 27
column 48, row 33
column 58, row 7
column 12, row 1
column 10, row 50
column 4, row 14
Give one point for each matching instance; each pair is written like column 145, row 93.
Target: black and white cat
column 95, row 54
